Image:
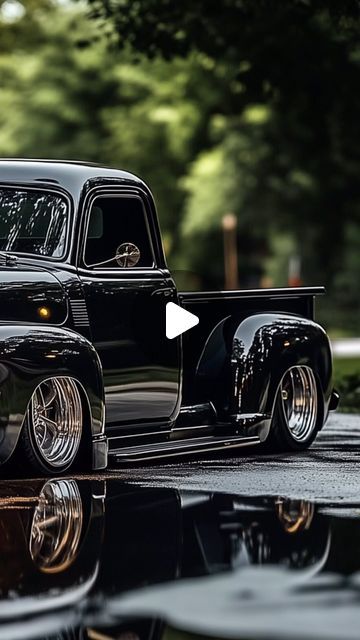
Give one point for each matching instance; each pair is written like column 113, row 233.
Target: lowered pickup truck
column 86, row 369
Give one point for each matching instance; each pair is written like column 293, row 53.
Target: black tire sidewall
column 288, row 441
column 280, row 438
column 33, row 454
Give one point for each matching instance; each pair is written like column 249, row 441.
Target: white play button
column 178, row 320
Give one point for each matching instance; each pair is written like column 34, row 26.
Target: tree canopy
column 243, row 106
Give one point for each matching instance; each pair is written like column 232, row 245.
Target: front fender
column 30, row 354
column 264, row 346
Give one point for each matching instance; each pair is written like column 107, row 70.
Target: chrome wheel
column 298, row 397
column 55, row 417
column 56, row 526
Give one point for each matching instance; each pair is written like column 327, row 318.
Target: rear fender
column 264, row 347
column 30, row 354
column 243, row 362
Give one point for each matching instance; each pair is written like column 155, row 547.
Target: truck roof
column 68, row 174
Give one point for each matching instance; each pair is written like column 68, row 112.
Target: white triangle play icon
column 178, row 320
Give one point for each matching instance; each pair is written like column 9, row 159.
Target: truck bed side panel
column 213, row 307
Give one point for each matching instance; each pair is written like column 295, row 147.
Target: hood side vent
column 79, row 313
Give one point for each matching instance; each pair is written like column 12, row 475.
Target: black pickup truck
column 86, row 369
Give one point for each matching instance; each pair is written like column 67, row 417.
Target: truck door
column 126, row 289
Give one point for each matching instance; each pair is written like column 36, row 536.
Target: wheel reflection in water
column 56, row 526
column 294, row 515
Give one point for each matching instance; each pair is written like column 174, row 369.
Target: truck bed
column 213, row 306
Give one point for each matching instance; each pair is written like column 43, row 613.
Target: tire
column 53, row 427
column 294, row 424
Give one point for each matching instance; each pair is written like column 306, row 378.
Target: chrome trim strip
column 194, row 447
column 201, row 426
column 139, row 435
column 195, row 408
column 204, row 296
column 249, row 416
column 79, row 312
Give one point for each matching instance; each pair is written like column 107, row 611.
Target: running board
column 181, row 447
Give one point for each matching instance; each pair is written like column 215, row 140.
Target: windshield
column 33, row 222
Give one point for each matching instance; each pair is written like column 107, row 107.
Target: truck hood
column 31, row 294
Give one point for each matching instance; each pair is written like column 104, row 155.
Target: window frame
column 43, row 189
column 124, row 194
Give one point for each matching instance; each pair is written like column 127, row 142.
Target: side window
column 118, row 234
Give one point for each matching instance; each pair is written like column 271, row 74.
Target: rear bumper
column 99, row 453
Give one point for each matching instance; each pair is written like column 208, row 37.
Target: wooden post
column 229, row 225
column 294, row 271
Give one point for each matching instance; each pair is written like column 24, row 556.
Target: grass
column 347, row 382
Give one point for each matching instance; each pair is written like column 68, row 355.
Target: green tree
column 65, row 94
column 299, row 61
column 250, row 106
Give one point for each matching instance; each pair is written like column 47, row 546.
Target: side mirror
column 127, row 255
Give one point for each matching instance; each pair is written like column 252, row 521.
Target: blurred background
column 242, row 116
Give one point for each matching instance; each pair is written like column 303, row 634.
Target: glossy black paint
column 66, row 568
column 106, row 328
column 140, row 371
column 264, row 347
column 140, row 366
column 30, row 354
column 220, row 313
column 25, row 289
column 126, row 310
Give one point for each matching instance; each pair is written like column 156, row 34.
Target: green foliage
column 226, row 30
column 347, row 382
column 70, row 96
column 286, row 77
column 247, row 106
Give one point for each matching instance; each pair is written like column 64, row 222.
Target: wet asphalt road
column 271, row 598
column 112, row 556
column 329, row 472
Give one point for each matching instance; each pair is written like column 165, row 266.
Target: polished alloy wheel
column 55, row 414
column 298, row 396
column 56, row 526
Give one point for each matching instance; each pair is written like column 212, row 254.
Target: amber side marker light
column 44, row 313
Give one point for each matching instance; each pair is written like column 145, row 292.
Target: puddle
column 103, row 559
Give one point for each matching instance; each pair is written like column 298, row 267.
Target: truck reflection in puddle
column 81, row 558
